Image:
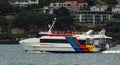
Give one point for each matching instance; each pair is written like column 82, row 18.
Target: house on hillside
column 78, row 11
column 54, row 6
column 94, row 17
column 99, row 7
column 76, row 3
column 23, row 2
column 91, row 17
column 116, row 9
column 70, row 5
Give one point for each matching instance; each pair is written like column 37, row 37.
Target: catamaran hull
column 72, row 45
column 47, row 47
column 55, row 48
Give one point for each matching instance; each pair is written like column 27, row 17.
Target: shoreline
column 9, row 41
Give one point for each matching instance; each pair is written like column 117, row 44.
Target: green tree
column 30, row 7
column 2, row 23
column 5, row 7
column 110, row 2
column 64, row 23
column 80, row 26
column 109, row 8
column 62, row 12
column 10, row 19
column 33, row 20
column 113, row 29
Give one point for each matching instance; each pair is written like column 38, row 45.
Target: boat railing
column 72, row 32
column 66, row 32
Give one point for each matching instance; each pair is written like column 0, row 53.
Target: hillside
column 32, row 22
column 5, row 6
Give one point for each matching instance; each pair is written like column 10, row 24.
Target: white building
column 116, row 9
column 99, row 8
column 92, row 17
column 23, row 2
column 59, row 5
column 95, row 17
column 55, row 6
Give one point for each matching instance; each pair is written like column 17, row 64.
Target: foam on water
column 112, row 51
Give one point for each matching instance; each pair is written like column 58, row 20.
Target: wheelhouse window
column 59, row 41
column 33, row 0
column 53, row 41
column 82, row 41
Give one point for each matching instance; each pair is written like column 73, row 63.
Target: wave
column 111, row 51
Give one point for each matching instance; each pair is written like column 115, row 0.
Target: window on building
column 26, row 1
column 60, row 4
column 54, row 4
column 68, row 5
column 33, row 0
column 97, row 16
column 104, row 16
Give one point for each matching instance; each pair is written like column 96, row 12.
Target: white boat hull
column 51, row 47
column 55, row 47
column 62, row 44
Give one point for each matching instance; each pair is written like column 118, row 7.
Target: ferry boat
column 68, row 43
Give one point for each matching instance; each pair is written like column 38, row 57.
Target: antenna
column 52, row 25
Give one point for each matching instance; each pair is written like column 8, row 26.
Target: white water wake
column 111, row 51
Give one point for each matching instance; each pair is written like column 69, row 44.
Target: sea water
column 15, row 55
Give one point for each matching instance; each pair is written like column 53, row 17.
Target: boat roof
column 102, row 36
column 87, row 35
column 52, row 37
column 82, row 37
column 60, row 37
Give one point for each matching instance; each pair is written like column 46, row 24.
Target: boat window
column 39, row 35
column 109, row 41
column 82, row 41
column 53, row 41
column 96, row 41
column 89, row 41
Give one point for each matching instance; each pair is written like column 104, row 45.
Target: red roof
column 82, row 4
column 75, row 3
column 118, row 0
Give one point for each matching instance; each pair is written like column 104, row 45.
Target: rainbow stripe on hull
column 80, row 47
